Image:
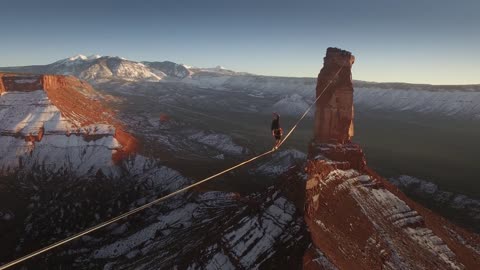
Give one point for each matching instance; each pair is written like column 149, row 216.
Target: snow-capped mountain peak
column 74, row 60
column 77, row 57
column 97, row 68
column 81, row 57
column 94, row 56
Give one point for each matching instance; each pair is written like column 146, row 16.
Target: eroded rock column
column 2, row 88
column 334, row 109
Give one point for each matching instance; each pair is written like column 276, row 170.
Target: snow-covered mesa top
column 35, row 132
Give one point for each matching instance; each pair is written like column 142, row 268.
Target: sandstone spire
column 356, row 218
column 334, row 109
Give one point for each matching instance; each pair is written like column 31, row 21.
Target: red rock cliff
column 76, row 99
column 356, row 219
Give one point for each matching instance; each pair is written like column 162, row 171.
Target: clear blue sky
column 420, row 41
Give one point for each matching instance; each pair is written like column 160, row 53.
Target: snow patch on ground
column 280, row 162
column 323, row 261
column 428, row 190
column 292, row 105
column 245, row 239
column 139, row 238
column 384, row 208
column 220, row 142
column 62, row 144
column 252, row 237
column 451, row 103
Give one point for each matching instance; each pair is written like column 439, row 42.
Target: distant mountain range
column 97, row 68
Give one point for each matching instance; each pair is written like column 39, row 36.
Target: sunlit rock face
column 58, row 123
column 359, row 221
column 356, row 219
column 334, row 109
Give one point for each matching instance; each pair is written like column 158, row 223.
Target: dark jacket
column 276, row 124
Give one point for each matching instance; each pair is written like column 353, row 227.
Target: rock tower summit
column 334, row 109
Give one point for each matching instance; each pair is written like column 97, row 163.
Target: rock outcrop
column 334, row 109
column 356, row 219
column 45, row 119
column 2, row 87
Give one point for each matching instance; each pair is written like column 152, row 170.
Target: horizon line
column 245, row 72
